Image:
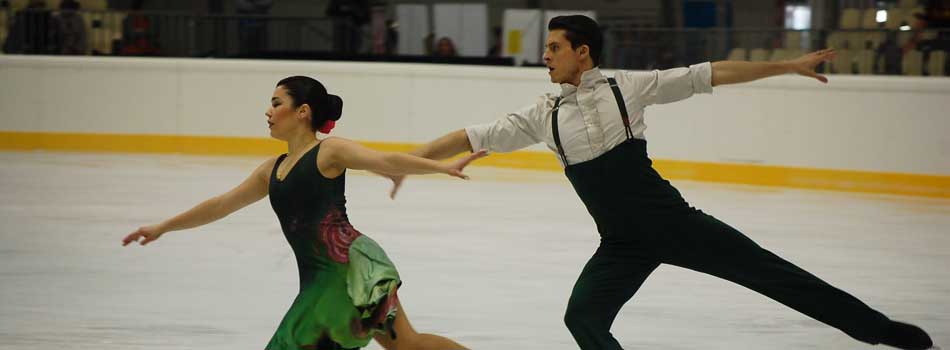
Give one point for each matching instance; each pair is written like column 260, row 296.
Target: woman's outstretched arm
column 251, row 190
column 346, row 154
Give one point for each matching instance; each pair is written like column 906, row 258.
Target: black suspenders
column 557, row 136
column 620, row 104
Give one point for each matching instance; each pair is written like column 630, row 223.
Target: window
column 797, row 16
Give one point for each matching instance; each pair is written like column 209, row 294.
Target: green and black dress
column 347, row 283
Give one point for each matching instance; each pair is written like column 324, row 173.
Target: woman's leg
column 408, row 339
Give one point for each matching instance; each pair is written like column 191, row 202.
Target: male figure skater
column 596, row 128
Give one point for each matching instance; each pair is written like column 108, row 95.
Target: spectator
column 392, row 36
column 428, row 42
column 33, row 31
column 937, row 14
column 348, row 16
column 139, row 33
column 445, row 48
column 629, row 53
column 495, row 50
column 889, row 55
column 252, row 32
column 72, row 29
column 936, row 17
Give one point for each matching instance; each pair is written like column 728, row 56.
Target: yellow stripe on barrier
column 807, row 178
column 135, row 143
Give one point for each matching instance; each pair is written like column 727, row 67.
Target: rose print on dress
column 337, row 234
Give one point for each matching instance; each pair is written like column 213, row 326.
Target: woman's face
column 282, row 118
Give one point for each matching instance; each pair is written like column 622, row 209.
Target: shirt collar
column 588, row 80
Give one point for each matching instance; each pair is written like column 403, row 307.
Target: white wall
column 891, row 124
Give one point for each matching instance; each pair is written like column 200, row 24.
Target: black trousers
column 702, row 243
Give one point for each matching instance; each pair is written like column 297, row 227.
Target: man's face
column 562, row 61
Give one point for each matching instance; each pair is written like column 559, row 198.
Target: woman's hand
column 455, row 168
column 148, row 233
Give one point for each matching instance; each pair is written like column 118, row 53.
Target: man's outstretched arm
column 734, row 72
column 445, row 147
column 513, row 132
column 441, row 148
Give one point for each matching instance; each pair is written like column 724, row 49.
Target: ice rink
column 489, row 262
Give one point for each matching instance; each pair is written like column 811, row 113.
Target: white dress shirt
column 589, row 119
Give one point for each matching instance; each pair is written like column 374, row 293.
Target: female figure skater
column 347, row 284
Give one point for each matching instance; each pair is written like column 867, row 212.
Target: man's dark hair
column 581, row 30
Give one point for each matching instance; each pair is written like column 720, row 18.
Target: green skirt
column 344, row 305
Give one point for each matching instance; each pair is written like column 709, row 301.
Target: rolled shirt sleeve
column 512, row 132
column 665, row 86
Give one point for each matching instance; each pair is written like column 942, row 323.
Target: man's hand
column 806, row 64
column 397, row 183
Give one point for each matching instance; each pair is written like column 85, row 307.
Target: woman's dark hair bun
column 307, row 90
column 334, row 107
